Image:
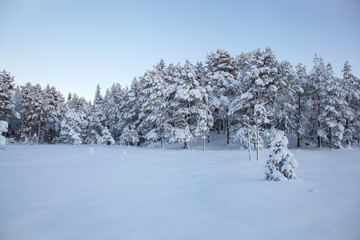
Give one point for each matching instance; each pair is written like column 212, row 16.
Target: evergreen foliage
column 281, row 164
column 248, row 96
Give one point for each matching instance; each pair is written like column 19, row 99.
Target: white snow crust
column 61, row 192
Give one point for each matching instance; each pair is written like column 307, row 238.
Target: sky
column 76, row 44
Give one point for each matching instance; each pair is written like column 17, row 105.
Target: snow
column 3, row 129
column 62, row 192
column 3, row 126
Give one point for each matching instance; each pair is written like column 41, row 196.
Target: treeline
column 249, row 97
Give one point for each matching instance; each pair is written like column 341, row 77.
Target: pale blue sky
column 76, row 44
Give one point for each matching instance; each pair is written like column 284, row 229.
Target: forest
column 248, row 98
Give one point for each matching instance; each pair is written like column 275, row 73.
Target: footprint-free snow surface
column 99, row 192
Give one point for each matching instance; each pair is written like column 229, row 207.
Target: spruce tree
column 281, row 164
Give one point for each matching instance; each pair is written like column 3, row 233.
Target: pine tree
column 221, row 75
column 301, row 116
column 54, row 110
column 131, row 117
column 106, row 138
column 111, row 103
column 284, row 102
column 155, row 103
column 350, row 86
column 129, row 136
column 332, row 118
column 191, row 110
column 98, row 111
column 254, row 107
column 317, row 81
column 32, row 110
column 7, row 102
column 70, row 128
column 281, row 164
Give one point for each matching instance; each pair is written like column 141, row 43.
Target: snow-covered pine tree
column 317, row 81
column 284, row 101
column 180, row 105
column 89, row 132
column 332, row 102
column 70, row 128
column 112, row 102
column 15, row 122
column 54, row 110
column 255, row 105
column 154, row 106
column 281, row 164
column 32, row 110
column 106, row 138
column 7, row 102
column 85, row 113
column 130, row 115
column 75, row 102
column 221, row 76
column 191, row 113
column 129, row 136
column 351, row 87
column 98, row 111
column 201, row 113
column 301, row 116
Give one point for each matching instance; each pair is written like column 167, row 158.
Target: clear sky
column 76, row 44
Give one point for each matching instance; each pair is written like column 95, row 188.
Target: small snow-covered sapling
column 3, row 129
column 281, row 164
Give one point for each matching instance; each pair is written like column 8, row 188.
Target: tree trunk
column 162, row 142
column 21, row 128
column 219, row 126
column 257, row 144
column 330, row 138
column 39, row 133
column 347, row 127
column 298, row 141
column 319, row 138
column 204, row 144
column 208, row 137
column 249, row 145
column 299, row 117
column 227, row 131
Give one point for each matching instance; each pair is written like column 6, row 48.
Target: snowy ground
column 58, row 192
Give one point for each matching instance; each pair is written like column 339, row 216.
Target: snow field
column 103, row 192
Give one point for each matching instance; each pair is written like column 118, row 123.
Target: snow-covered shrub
column 106, row 138
column 75, row 137
column 35, row 138
column 245, row 136
column 281, row 164
column 3, row 129
column 152, row 136
column 129, row 136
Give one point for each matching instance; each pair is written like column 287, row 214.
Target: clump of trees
column 249, row 96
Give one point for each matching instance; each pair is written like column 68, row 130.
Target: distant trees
column 249, row 96
column 42, row 111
